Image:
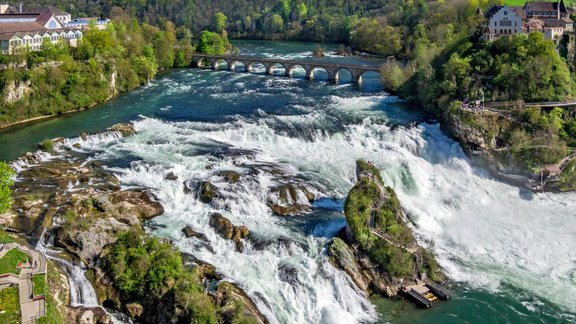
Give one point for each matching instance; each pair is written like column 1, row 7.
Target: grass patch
column 54, row 310
column 9, row 305
column 46, row 145
column 39, row 284
column 5, row 237
column 9, row 262
column 568, row 3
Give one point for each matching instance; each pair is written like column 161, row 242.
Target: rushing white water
column 81, row 291
column 485, row 232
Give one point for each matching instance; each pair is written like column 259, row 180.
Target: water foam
column 486, row 233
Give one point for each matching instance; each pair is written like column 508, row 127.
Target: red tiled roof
column 519, row 11
column 544, row 6
column 18, row 16
column 20, row 27
column 44, row 17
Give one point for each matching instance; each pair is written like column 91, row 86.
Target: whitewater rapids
column 486, row 234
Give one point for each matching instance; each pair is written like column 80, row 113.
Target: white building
column 502, row 20
column 31, row 35
column 552, row 19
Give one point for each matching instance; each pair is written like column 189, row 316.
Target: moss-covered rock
column 381, row 252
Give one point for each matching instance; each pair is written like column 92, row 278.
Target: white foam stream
column 81, row 291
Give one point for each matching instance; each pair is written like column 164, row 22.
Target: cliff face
column 499, row 142
column 377, row 249
column 15, row 91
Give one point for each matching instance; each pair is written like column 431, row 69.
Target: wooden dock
column 425, row 294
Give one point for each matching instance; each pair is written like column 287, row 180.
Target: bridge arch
column 344, row 74
column 237, row 65
column 292, row 69
column 272, row 68
column 312, row 73
column 201, row 61
column 256, row 65
column 367, row 75
column 217, row 63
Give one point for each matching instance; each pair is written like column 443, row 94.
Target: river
column 511, row 254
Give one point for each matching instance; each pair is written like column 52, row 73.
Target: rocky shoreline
column 81, row 204
column 482, row 136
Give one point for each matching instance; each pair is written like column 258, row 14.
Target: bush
column 6, row 182
column 46, row 145
column 9, row 305
column 147, row 269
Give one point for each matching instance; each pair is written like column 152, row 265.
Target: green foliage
column 212, row 43
column 145, row 268
column 312, row 20
column 5, row 237
column 9, row 305
column 6, row 182
column 319, row 52
column 106, row 62
column 11, row 259
column 394, row 75
column 39, row 282
column 359, row 211
column 375, row 37
column 220, row 22
column 47, row 145
column 567, row 180
column 54, row 310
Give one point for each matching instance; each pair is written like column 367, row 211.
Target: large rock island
column 377, row 249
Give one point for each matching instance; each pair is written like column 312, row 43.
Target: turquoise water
column 511, row 254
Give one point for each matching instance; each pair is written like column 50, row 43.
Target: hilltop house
column 549, row 18
column 21, row 29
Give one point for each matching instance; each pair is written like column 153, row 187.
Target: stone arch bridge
column 332, row 69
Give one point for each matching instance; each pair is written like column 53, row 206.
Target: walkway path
column 390, row 240
column 30, row 309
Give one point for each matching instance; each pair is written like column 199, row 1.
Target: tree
column 220, row 22
column 302, row 10
column 6, row 181
column 211, row 43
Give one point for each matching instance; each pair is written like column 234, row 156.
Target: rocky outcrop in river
column 376, row 248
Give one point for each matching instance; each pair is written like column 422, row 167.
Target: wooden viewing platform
column 425, row 294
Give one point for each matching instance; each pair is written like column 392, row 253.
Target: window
column 505, row 13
